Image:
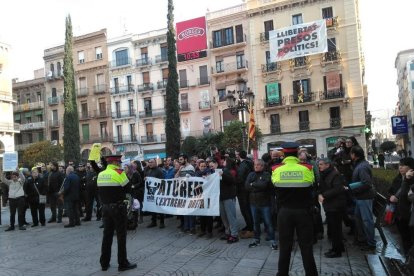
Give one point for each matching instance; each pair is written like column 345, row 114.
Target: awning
column 38, row 112
column 28, row 114
column 17, row 116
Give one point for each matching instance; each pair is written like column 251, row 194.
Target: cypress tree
column 172, row 123
column 71, row 138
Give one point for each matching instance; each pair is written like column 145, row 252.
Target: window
column 304, row 120
column 40, row 136
column 164, row 52
column 203, row 75
column 411, row 66
column 148, row 106
column 116, row 85
column 28, row 99
column 129, row 83
column 301, row 91
column 52, row 69
column 98, row 52
column 55, row 116
column 102, row 108
column 412, row 85
column 119, row 133
column 273, row 94
column 39, row 117
column 39, row 96
column 268, row 26
column 228, row 36
column 297, row 19
column 217, row 41
column 59, row 69
column 84, row 110
column 85, row 132
column 146, row 78
column 239, row 33
column 183, row 78
column 81, row 57
column 327, row 12
column 118, row 109
column 54, row 93
column 150, row 132
column 184, row 101
column 224, row 37
column 219, row 66
column 222, row 95
column 274, row 123
column 144, row 55
column 132, row 132
column 335, row 117
column 104, row 129
column 29, row 138
column 18, row 99
column 121, row 57
column 100, row 83
column 331, row 44
column 131, row 107
column 240, row 60
column 165, row 74
column 54, row 135
column 28, row 119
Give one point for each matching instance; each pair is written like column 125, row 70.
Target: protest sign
column 95, row 153
column 10, row 160
column 196, row 196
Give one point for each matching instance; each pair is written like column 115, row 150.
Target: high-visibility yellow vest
column 113, row 176
column 292, row 174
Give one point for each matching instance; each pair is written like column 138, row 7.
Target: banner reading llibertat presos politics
column 195, row 196
column 298, row 41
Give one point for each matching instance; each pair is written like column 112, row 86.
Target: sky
column 32, row 26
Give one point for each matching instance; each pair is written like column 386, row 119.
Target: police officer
column 112, row 187
column 293, row 182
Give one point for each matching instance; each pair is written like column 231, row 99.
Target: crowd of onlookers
column 343, row 188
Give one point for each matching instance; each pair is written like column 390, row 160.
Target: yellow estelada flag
column 252, row 131
column 95, row 153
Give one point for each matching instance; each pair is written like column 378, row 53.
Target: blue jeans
column 364, row 219
column 189, row 223
column 228, row 216
column 263, row 214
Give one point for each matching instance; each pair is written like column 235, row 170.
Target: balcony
column 7, row 96
column 271, row 67
column 304, row 98
column 143, row 62
column 216, row 47
column 275, row 129
column 84, row 115
column 332, row 23
column 120, row 114
column 161, row 58
column 203, row 81
column 163, row 137
column 204, row 105
column 97, row 139
column 51, row 75
column 304, row 126
column 55, row 100
column 148, row 139
column 9, row 127
column 102, row 113
column 183, row 83
column 54, row 123
column 264, row 37
column 31, row 126
column 99, row 89
column 29, row 106
column 332, row 94
column 275, row 103
column 335, row 122
column 123, row 89
column 125, row 139
column 123, row 62
column 185, row 107
column 331, row 57
column 299, row 62
column 226, row 68
column 145, row 87
column 152, row 113
column 162, row 84
column 82, row 92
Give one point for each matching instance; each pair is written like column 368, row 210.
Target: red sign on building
column 191, row 35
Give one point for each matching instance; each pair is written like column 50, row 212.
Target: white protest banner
column 10, row 161
column 196, row 196
column 298, row 41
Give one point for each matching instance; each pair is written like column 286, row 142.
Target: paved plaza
column 54, row 250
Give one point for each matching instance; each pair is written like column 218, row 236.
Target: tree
column 388, row 146
column 189, row 146
column 233, row 136
column 43, row 152
column 172, row 122
column 71, row 138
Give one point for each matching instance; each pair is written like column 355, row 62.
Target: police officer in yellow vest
column 293, row 182
column 112, row 188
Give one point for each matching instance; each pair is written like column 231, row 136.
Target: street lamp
column 240, row 103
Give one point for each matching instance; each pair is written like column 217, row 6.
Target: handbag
column 42, row 198
column 389, row 214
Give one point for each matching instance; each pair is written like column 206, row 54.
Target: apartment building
column 319, row 97
column 7, row 127
column 90, row 63
column 404, row 63
column 29, row 111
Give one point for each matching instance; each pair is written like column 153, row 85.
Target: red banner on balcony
column 333, row 81
column 191, row 35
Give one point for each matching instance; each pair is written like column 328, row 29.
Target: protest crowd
column 286, row 190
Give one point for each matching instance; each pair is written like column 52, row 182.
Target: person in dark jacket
column 399, row 197
column 54, row 183
column 34, row 187
column 206, row 222
column 364, row 193
column 260, row 190
column 228, row 199
column 92, row 195
column 332, row 195
column 154, row 171
column 83, row 196
column 71, row 189
column 137, row 192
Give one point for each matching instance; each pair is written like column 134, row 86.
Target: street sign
column 399, row 125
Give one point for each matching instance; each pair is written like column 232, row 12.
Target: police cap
column 112, row 158
column 290, row 147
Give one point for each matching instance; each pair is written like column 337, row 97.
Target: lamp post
column 240, row 103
